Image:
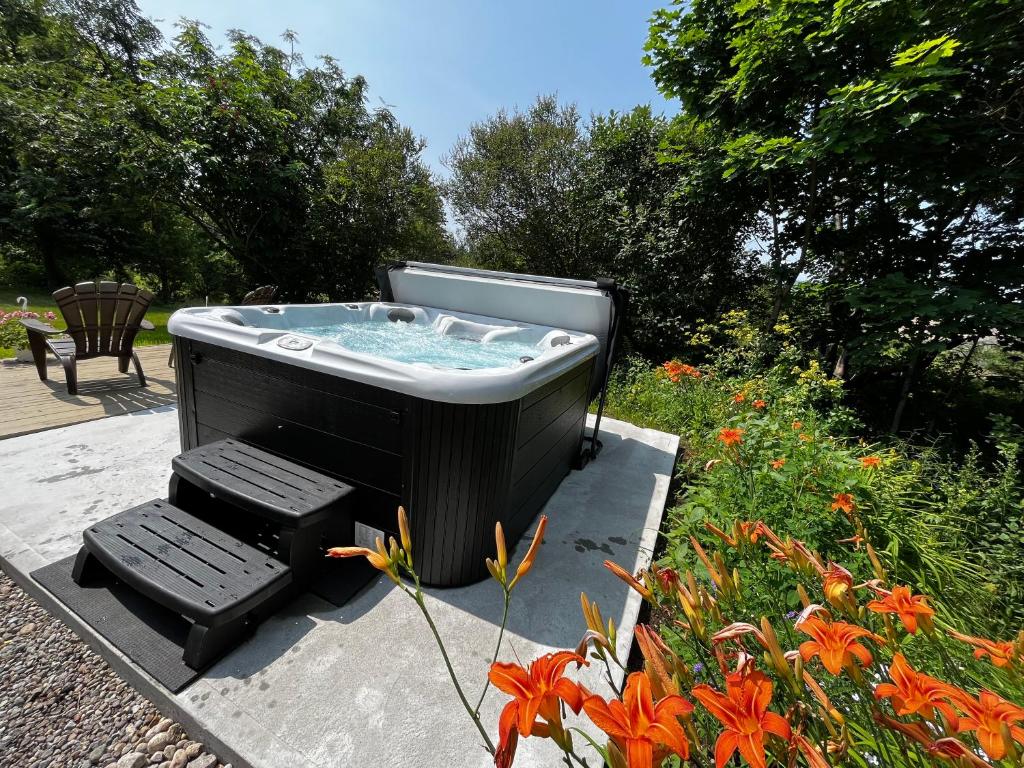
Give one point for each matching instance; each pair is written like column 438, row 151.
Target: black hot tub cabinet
column 461, row 450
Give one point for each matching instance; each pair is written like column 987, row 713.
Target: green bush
column 772, row 441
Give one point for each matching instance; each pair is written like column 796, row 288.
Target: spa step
column 261, row 483
column 172, row 557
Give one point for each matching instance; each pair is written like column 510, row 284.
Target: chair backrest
column 263, row 295
column 103, row 317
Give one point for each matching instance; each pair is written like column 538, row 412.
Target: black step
column 183, row 563
column 261, row 483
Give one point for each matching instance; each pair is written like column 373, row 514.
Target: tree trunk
column 955, row 381
column 908, row 380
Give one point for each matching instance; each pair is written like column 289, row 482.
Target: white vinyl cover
column 574, row 305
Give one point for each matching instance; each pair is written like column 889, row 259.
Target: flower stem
column 418, row 597
column 497, row 648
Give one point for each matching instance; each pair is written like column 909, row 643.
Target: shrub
column 12, row 333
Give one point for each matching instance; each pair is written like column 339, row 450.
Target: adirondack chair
column 102, row 318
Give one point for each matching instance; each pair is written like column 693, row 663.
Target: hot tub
column 462, row 417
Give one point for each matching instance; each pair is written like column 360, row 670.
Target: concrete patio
column 29, row 405
column 362, row 684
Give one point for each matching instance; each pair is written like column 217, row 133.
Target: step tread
column 173, row 556
column 261, row 482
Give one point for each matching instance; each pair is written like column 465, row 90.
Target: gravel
column 62, row 705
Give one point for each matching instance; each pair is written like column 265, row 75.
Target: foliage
column 539, row 192
column 12, row 333
column 946, row 525
column 881, row 145
column 868, row 671
column 518, row 191
column 865, row 672
column 197, row 171
column 674, row 231
column 283, row 166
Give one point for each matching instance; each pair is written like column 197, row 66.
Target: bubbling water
column 414, row 343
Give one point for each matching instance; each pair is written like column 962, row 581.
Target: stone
column 205, row 760
column 132, row 760
column 27, row 629
column 176, row 733
column 160, row 727
column 156, row 758
column 169, row 751
column 179, row 760
column 96, row 753
column 193, row 750
column 158, row 742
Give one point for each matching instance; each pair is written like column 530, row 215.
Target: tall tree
column 885, row 146
column 284, row 166
column 518, row 192
column 676, row 231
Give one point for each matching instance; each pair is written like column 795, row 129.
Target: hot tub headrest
column 573, row 305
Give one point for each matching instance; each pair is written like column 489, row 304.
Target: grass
column 41, row 303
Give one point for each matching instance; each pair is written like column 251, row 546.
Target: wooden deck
column 29, row 405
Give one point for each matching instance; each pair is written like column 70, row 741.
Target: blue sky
column 443, row 64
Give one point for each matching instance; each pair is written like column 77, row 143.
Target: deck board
column 29, row 405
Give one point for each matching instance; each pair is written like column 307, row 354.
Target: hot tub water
column 419, row 343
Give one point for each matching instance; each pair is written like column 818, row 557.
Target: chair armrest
column 34, row 325
column 145, row 325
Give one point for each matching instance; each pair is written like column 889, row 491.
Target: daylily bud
column 403, row 530
column 381, row 564
column 627, row 577
column 615, row 757
column 496, row 574
column 805, row 599
column 531, row 554
column 499, row 542
column 876, row 564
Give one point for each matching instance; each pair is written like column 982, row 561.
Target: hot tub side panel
column 344, row 428
column 456, row 468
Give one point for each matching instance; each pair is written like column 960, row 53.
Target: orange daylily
column 536, row 692
column 870, row 462
column 911, row 608
column 835, row 643
column 915, row 693
column 739, row 397
column 1003, row 653
column 779, row 463
column 994, row 720
column 843, row 501
column 643, row 729
column 677, row 370
column 730, row 436
column 743, row 710
column 759, row 404
column 837, row 585
column 798, row 425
